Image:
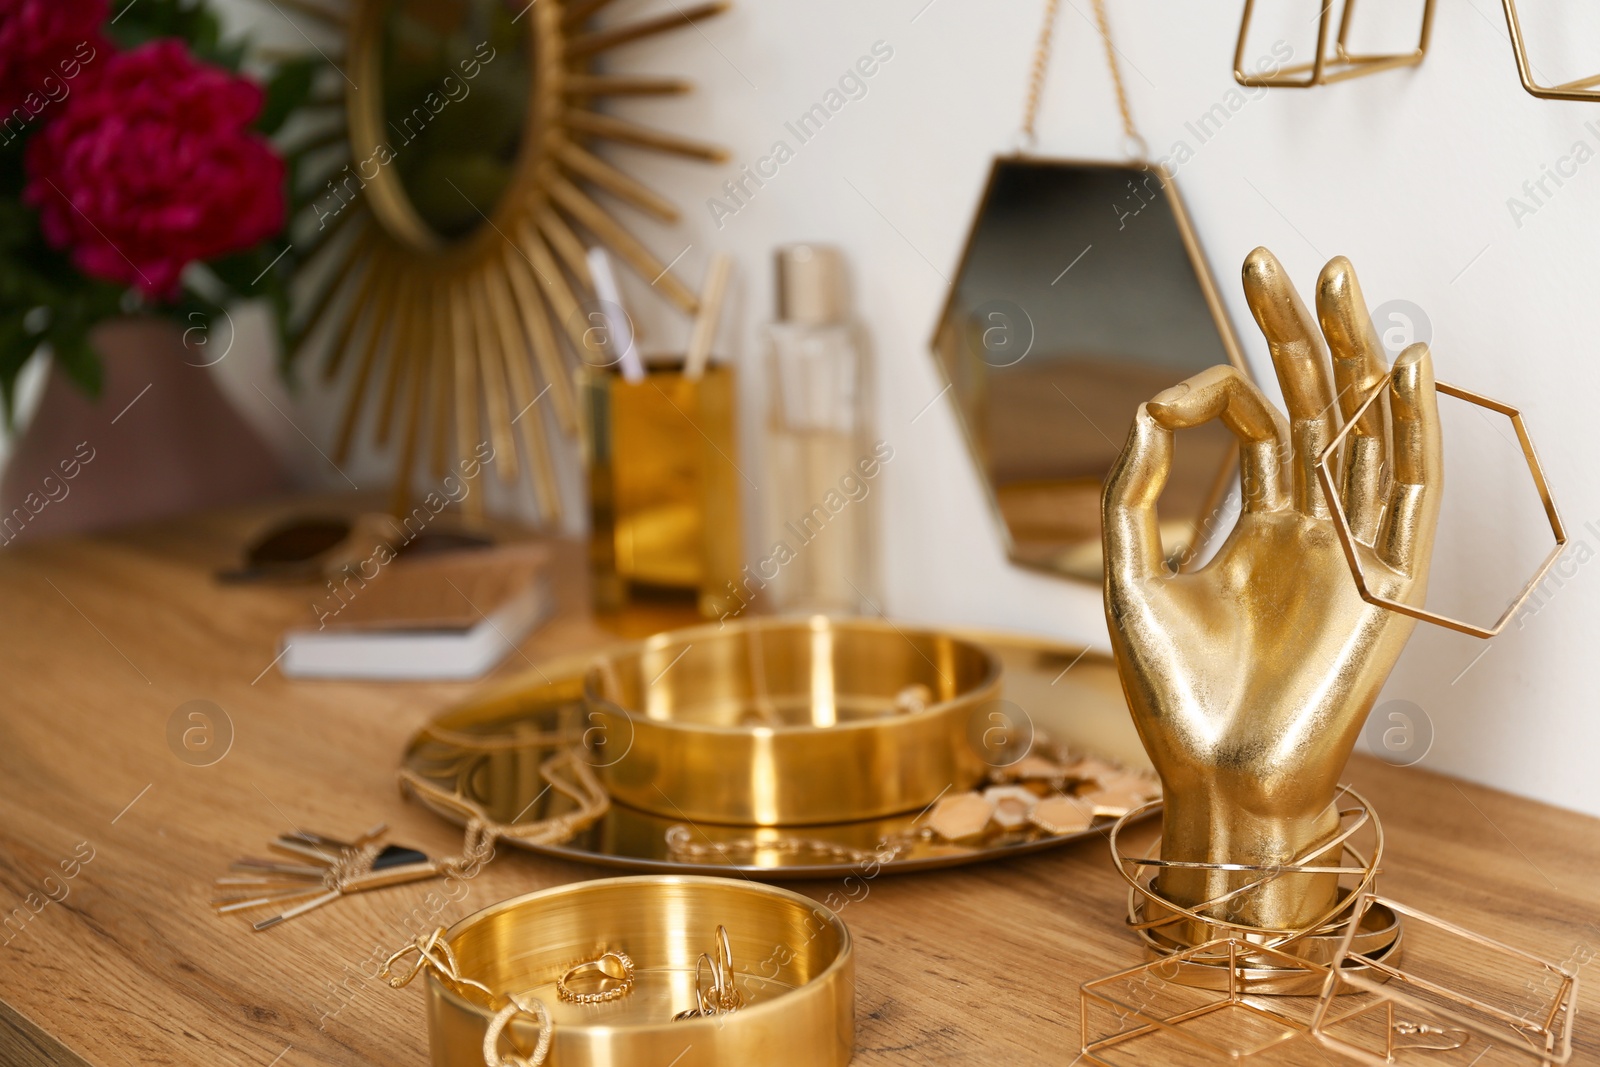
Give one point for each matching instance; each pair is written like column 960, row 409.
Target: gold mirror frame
column 1342, row 65
column 435, row 335
column 1219, row 315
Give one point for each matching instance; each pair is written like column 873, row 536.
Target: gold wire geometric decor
column 1581, row 89
column 1326, row 68
column 1472, row 997
column 451, row 243
column 1341, row 524
column 1143, row 1015
column 1526, row 1012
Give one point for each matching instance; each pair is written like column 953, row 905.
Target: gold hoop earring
column 728, row 996
column 724, row 997
column 702, row 1008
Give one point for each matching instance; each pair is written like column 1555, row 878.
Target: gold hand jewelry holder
column 1249, row 679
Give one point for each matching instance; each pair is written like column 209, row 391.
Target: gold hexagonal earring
column 1347, row 540
column 1338, row 65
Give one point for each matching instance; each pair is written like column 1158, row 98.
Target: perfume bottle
column 821, row 489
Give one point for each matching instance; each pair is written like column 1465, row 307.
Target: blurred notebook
column 448, row 617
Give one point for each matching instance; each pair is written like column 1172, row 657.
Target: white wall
column 1408, row 173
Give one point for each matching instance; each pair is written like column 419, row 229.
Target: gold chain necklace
column 1041, row 64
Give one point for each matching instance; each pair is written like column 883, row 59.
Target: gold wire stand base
column 1381, row 937
column 1377, row 936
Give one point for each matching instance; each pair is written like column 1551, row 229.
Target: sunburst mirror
column 450, row 240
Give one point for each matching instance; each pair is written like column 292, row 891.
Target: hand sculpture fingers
column 1405, row 538
column 1131, row 533
column 1224, row 393
column 1358, row 368
column 1303, row 371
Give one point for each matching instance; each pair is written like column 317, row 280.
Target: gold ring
column 612, row 967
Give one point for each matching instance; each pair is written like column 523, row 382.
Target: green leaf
column 77, row 357
column 287, row 90
column 195, row 24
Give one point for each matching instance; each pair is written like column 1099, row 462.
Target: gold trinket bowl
column 792, row 966
column 785, row 722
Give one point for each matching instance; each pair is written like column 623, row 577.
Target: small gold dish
column 792, row 722
column 792, row 965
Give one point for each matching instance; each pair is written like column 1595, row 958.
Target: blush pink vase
column 160, row 440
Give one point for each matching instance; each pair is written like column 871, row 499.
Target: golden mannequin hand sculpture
column 1249, row 679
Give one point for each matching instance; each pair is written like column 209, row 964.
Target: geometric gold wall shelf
column 1327, row 68
column 1325, row 475
column 1582, row 89
column 450, row 241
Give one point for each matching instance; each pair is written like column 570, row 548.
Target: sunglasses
column 306, row 548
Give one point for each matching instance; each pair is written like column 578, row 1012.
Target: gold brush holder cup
column 663, row 485
column 792, row 976
column 788, row 722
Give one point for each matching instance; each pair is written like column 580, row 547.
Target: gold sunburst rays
column 589, row 44
column 623, row 85
column 468, row 341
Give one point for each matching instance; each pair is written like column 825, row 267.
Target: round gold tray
column 792, row 965
column 489, row 750
column 791, row 721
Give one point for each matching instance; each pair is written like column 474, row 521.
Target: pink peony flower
column 153, row 167
column 45, row 46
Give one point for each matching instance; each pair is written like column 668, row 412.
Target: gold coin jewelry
column 615, row 968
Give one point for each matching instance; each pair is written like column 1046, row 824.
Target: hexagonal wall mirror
column 1082, row 292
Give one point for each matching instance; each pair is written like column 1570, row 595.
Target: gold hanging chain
column 1041, row 65
column 1135, row 140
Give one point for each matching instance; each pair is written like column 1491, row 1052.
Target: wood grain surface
column 102, row 639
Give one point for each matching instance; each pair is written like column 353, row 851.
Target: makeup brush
column 704, row 334
column 619, row 330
